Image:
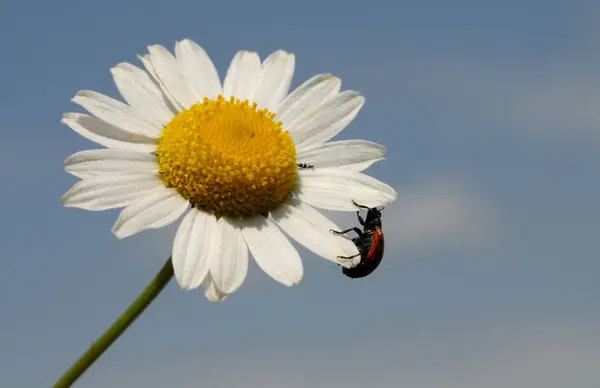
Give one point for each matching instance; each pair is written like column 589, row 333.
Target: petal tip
column 82, row 93
column 185, row 285
column 157, row 49
column 67, row 117
column 296, row 277
column 215, row 297
column 64, row 199
column 120, row 231
column 187, row 42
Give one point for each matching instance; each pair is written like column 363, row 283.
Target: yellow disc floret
column 228, row 158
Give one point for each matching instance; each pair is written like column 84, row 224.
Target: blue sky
column 490, row 115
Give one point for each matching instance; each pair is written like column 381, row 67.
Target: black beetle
column 369, row 243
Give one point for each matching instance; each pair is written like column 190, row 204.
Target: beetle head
column 373, row 218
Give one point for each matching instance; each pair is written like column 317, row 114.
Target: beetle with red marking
column 369, row 243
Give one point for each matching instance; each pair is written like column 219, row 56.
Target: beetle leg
column 360, row 219
column 357, row 230
column 360, row 206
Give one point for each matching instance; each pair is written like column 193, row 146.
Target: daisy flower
column 244, row 162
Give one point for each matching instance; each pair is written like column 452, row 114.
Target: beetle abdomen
column 369, row 260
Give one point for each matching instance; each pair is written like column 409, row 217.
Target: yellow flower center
column 228, row 158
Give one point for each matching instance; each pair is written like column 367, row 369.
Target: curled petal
column 157, row 210
column 327, row 120
column 231, row 265
column 242, row 75
column 313, row 230
column 193, row 247
column 272, row 251
column 275, row 79
column 353, row 155
column 307, row 97
column 91, row 163
column 110, row 192
column 335, row 189
column 98, row 131
column 142, row 93
column 168, row 72
column 211, row 291
column 116, row 113
column 197, row 67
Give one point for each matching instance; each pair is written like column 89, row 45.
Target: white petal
column 149, row 67
column 142, row 93
column 313, row 230
column 354, row 155
column 175, row 106
column 211, row 291
column 169, row 74
column 275, row 80
column 307, row 97
column 110, row 192
column 91, row 163
column 334, row 189
column 192, row 251
column 231, row 262
column 154, row 211
column 272, row 251
column 116, row 113
column 329, row 119
column 96, row 130
column 242, row 75
column 198, row 69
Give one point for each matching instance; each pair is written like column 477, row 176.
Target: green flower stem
column 118, row 327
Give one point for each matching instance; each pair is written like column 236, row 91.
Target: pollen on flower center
column 228, row 158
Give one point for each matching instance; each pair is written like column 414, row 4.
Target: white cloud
column 440, row 213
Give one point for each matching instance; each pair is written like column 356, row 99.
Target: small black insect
column 369, row 243
column 305, row 166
